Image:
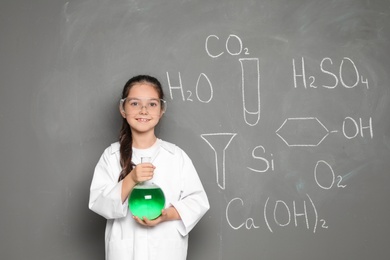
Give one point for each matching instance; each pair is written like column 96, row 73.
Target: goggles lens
column 135, row 105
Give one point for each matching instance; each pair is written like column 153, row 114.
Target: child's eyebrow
column 137, row 98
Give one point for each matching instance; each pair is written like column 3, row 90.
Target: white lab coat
column 124, row 238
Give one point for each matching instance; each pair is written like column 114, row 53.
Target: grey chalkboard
column 283, row 106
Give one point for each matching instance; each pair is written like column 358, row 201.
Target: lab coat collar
column 170, row 147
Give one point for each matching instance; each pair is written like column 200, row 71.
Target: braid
column 126, row 151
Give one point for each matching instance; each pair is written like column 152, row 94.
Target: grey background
column 323, row 196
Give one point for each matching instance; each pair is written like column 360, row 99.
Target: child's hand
column 151, row 223
column 166, row 214
column 142, row 172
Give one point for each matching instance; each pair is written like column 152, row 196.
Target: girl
column 119, row 169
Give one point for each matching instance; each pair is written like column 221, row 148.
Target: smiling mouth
column 143, row 119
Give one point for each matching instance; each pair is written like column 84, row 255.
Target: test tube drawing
column 250, row 84
column 215, row 140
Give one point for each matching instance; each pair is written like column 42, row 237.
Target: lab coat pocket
column 120, row 249
column 167, row 241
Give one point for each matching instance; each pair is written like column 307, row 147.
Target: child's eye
column 133, row 103
column 153, row 104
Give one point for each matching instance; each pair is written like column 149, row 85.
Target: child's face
column 142, row 108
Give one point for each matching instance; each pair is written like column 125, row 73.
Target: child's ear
column 121, row 108
column 123, row 114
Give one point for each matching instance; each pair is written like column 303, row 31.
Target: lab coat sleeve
column 193, row 203
column 105, row 191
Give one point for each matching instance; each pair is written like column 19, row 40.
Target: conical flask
column 146, row 199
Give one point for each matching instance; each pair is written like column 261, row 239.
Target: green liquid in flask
column 146, row 201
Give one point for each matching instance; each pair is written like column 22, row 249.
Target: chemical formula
column 293, row 132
